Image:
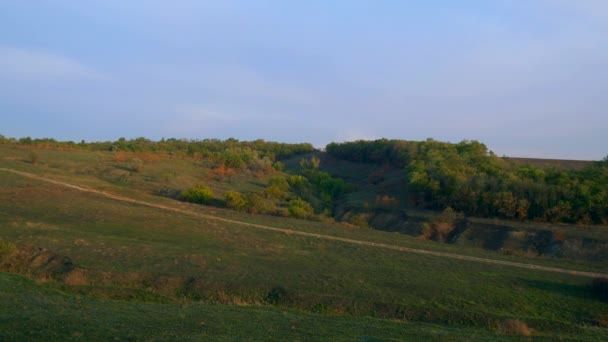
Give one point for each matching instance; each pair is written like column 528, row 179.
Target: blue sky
column 527, row 78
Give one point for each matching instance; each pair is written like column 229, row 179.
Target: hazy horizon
column 527, row 79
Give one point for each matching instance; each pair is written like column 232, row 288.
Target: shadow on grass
column 123, row 168
column 579, row 291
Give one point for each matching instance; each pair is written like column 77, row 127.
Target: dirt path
column 318, row 236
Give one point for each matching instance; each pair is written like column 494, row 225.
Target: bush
column 198, row 194
column 136, row 164
column 310, row 164
column 280, row 182
column 278, row 166
column 441, row 226
column 300, row 208
column 297, row 181
column 235, row 200
column 6, row 248
column 277, row 187
column 360, row 220
column 34, row 157
column 277, row 295
column 256, row 204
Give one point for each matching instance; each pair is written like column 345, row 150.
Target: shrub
column 6, row 248
column 277, row 187
column 258, row 205
column 280, row 182
column 360, row 220
column 34, row 157
column 278, row 166
column 197, row 194
column 297, row 181
column 235, row 200
column 260, row 165
column 437, row 231
column 441, row 226
column 136, row 164
column 277, row 295
column 300, row 208
column 514, row 327
column 310, row 164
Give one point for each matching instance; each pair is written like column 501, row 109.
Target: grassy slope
column 236, row 264
column 83, row 168
column 58, row 316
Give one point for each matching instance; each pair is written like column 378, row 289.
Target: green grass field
column 117, row 269
column 33, row 311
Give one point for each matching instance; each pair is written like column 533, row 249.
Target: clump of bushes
column 357, row 219
column 440, row 227
column 199, row 193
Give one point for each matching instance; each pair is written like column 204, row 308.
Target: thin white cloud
column 29, row 64
column 233, row 80
column 198, row 114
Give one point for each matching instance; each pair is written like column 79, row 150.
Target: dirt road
column 313, row 235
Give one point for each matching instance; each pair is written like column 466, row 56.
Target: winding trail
column 313, row 235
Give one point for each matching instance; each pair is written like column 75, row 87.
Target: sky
column 527, row 78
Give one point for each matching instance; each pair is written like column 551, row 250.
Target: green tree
column 311, row 164
column 277, row 187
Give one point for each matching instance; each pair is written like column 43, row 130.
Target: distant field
column 111, row 266
column 561, row 164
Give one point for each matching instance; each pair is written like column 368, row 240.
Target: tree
column 523, row 205
column 311, row 164
column 277, row 187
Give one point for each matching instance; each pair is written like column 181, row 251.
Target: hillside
column 118, row 245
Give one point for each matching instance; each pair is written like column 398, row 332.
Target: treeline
column 469, row 178
column 207, row 148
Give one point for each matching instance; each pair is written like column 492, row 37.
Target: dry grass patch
column 514, row 327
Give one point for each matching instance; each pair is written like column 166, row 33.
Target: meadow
column 101, row 268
